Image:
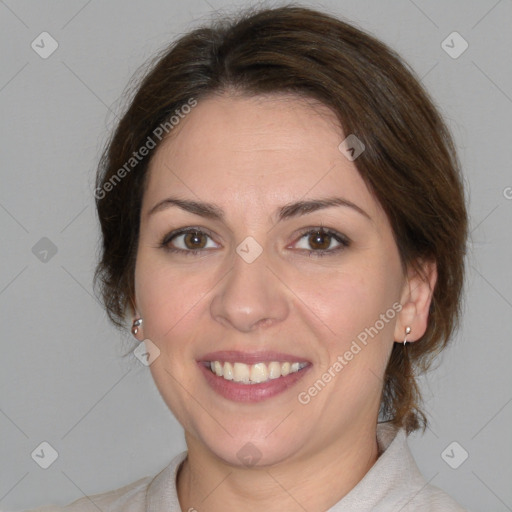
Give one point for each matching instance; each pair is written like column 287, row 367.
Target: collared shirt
column 393, row 484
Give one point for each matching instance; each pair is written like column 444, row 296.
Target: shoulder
column 130, row 498
column 395, row 481
column 430, row 498
column 138, row 496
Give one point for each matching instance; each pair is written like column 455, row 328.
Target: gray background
column 62, row 376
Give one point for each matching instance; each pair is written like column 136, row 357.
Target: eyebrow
column 287, row 211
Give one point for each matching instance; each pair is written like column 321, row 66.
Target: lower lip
column 238, row 392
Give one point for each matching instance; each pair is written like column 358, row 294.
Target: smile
column 244, row 382
column 255, row 373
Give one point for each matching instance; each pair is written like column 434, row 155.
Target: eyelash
column 341, row 239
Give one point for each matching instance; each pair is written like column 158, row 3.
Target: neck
column 313, row 481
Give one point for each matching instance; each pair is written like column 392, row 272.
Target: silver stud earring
column 407, row 331
column 136, row 324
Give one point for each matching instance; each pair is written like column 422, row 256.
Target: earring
column 136, row 324
column 407, row 331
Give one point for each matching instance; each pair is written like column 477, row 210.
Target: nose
column 251, row 296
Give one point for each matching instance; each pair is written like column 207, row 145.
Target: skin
column 250, row 156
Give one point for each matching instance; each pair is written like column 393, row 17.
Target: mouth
column 255, row 373
column 252, row 377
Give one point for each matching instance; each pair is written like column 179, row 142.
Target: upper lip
column 238, row 356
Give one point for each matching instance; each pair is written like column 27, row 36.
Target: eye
column 320, row 241
column 187, row 241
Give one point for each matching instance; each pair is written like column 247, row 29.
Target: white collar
column 393, row 483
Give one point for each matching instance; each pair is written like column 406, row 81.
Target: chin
column 245, row 452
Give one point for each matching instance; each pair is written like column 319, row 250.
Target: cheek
column 347, row 301
column 170, row 299
column 168, row 295
column 356, row 307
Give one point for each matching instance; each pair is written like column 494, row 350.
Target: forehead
column 260, row 150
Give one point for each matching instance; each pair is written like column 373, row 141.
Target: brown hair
column 409, row 163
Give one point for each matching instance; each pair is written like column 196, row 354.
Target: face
column 260, row 243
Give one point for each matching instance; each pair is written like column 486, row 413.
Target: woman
column 284, row 228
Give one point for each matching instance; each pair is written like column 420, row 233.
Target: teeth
column 256, row 373
column 240, row 372
column 227, row 371
column 259, row 372
column 274, row 370
column 218, row 368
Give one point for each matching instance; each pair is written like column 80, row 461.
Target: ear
column 415, row 300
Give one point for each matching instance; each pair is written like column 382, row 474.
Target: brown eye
column 195, row 240
column 188, row 241
column 319, row 240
